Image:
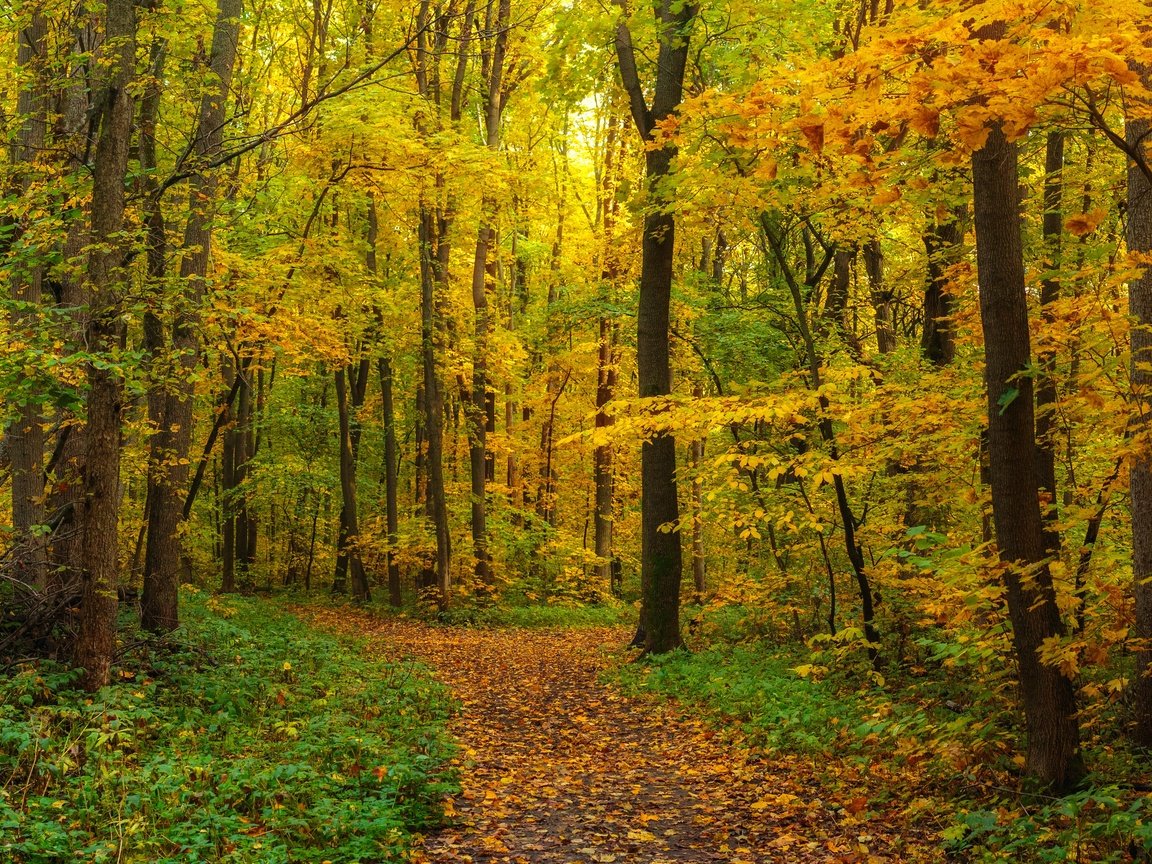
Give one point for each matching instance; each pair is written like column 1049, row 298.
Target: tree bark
column 1139, row 239
column 661, row 562
column 942, row 242
column 349, row 517
column 881, row 296
column 433, row 406
column 1048, row 697
column 159, row 608
column 1046, row 394
column 100, row 511
column 25, row 436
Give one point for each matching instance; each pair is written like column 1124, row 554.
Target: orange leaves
column 1083, row 224
column 558, row 768
column 812, row 128
column 886, row 196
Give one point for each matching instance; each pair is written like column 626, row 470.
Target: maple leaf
column 1083, row 224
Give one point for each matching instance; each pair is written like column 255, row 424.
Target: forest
column 575, row 431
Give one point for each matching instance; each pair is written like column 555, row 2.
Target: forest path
column 559, row 767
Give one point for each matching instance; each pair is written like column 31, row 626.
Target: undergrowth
column 248, row 737
column 942, row 723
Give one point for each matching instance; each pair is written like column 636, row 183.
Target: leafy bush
column 252, row 739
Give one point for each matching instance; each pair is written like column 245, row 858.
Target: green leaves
column 184, row 758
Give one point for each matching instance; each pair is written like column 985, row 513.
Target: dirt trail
column 558, row 767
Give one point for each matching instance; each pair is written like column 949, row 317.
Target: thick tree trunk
column 159, row 603
column 1139, row 239
column 1048, row 697
column 661, row 563
column 100, row 514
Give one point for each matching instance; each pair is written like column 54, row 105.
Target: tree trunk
column 25, row 436
column 1046, row 395
column 159, row 603
column 349, row 518
column 699, row 574
column 602, row 458
column 100, row 514
column 478, row 414
column 660, row 572
column 942, row 243
column 881, row 297
column 433, row 404
column 1048, row 697
column 1139, row 239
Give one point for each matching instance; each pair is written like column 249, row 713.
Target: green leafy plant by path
column 775, row 707
column 950, row 753
column 249, row 738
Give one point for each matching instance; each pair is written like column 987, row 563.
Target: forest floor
column 557, row 766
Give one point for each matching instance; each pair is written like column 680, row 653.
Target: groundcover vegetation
column 245, row 737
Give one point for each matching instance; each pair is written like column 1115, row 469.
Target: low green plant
column 774, row 706
column 249, row 737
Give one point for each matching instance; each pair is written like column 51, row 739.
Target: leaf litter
column 558, row 766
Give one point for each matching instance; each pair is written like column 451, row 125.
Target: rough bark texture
column 25, row 436
column 942, row 243
column 1140, row 483
column 602, row 459
column 1048, row 697
column 349, row 517
column 1046, row 395
column 101, row 505
column 480, row 403
column 172, row 445
column 661, row 562
column 881, row 297
column 433, row 406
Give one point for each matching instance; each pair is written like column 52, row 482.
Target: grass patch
column 252, row 738
column 540, row 615
column 773, row 706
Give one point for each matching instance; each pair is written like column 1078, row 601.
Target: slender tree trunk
column 100, row 515
column 390, row 480
column 1046, row 394
column 881, row 296
column 228, row 500
column 159, row 603
column 349, row 518
column 1048, row 697
column 433, row 405
column 660, row 547
column 1137, row 132
column 699, row 573
column 494, row 99
column 602, row 458
column 25, row 436
column 942, row 242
